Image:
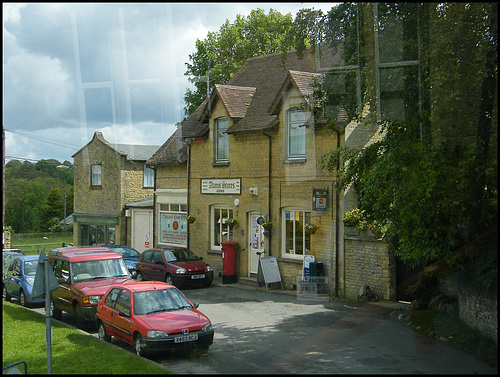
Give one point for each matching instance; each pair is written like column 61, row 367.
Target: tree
column 432, row 178
column 27, row 188
column 223, row 52
column 54, row 208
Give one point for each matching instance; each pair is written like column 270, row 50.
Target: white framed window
column 296, row 243
column 221, row 140
column 220, row 231
column 296, row 134
column 96, row 175
column 148, row 177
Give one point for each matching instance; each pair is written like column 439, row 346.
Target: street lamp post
column 65, row 212
column 64, row 167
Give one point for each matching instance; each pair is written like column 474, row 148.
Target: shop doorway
column 256, row 242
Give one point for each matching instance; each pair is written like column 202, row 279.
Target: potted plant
column 267, row 225
column 311, row 228
column 231, row 222
column 190, row 219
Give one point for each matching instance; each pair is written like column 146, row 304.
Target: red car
column 152, row 316
column 176, row 266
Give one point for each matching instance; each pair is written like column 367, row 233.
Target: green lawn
column 72, row 351
column 32, row 244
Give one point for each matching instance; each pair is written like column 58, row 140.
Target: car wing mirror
column 123, row 314
column 196, row 305
column 200, row 258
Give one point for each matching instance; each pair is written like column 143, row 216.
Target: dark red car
column 175, row 266
column 153, row 317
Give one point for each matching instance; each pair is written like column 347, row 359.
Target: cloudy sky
column 72, row 69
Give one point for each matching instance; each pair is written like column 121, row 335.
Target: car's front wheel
column 80, row 320
column 140, row 346
column 102, row 333
column 22, row 299
column 168, row 279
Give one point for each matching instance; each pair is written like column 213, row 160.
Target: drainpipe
column 269, row 189
column 188, row 180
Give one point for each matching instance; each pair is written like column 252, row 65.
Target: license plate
column 185, row 338
column 202, row 276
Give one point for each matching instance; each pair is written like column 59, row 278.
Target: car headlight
column 180, row 271
column 156, row 334
column 92, row 300
column 30, row 281
column 209, row 268
column 207, row 327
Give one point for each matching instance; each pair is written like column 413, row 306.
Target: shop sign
column 173, row 228
column 220, row 186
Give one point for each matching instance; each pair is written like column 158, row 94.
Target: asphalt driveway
column 271, row 332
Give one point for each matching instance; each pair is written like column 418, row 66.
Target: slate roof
column 131, row 152
column 236, row 99
column 250, row 97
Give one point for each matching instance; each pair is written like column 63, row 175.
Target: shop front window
column 220, row 230
column 296, row 242
column 96, row 235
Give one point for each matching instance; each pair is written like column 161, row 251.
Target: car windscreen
column 159, row 300
column 98, row 269
column 126, row 252
column 179, row 255
column 30, row 267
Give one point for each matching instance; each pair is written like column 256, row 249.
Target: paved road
column 270, row 332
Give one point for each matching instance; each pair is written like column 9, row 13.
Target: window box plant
column 232, row 222
column 311, row 228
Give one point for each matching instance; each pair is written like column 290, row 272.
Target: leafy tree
column 223, row 52
column 53, row 209
column 432, row 177
column 27, row 189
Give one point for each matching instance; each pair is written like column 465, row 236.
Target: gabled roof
column 247, row 97
column 303, row 81
column 129, row 151
column 236, row 99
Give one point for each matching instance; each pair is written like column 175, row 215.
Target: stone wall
column 479, row 313
column 367, row 263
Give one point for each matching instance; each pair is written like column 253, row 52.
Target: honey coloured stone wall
column 367, row 263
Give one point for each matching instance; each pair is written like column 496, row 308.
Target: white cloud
column 40, row 87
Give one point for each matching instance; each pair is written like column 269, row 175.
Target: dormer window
column 296, row 135
column 221, row 140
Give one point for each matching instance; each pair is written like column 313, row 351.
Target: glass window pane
column 296, row 134
column 222, row 147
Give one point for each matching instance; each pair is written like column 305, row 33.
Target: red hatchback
column 174, row 266
column 153, row 317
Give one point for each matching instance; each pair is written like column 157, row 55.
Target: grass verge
column 450, row 328
column 72, row 352
column 33, row 243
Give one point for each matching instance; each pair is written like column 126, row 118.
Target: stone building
column 106, row 178
column 253, row 150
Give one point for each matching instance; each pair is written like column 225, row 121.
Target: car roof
column 84, row 254
column 140, row 286
column 29, row 257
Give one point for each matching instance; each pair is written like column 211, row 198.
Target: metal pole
column 64, row 212
column 48, row 314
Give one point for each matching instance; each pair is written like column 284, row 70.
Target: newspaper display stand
column 268, row 271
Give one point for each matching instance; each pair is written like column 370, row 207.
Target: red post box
column 229, row 262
